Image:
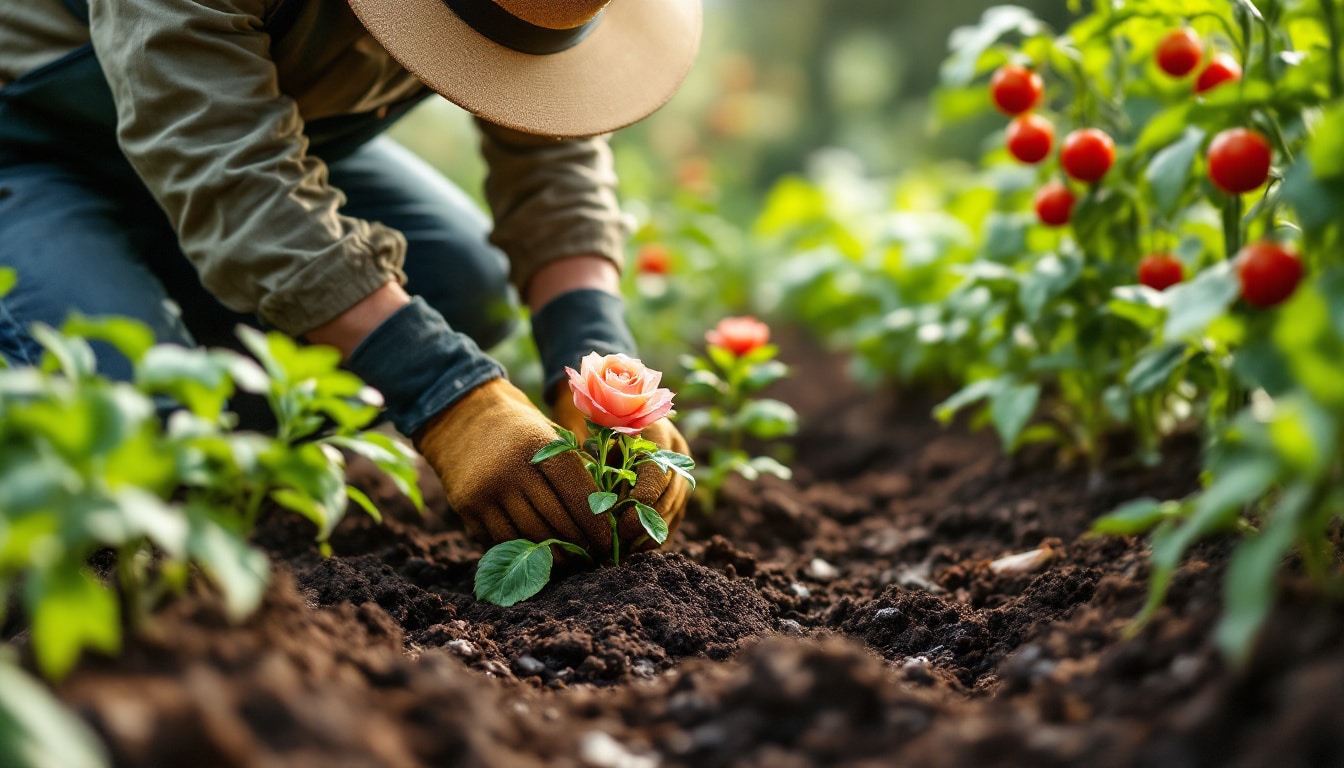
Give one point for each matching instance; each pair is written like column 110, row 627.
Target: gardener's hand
column 482, row 448
column 667, row 492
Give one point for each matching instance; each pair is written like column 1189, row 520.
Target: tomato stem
column 1336, row 54
column 1232, row 213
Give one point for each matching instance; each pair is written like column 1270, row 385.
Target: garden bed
column 860, row 615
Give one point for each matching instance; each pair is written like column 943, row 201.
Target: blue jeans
column 80, row 243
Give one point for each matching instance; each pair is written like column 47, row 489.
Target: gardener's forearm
column 352, row 326
column 589, row 272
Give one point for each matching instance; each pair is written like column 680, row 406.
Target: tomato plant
column 1059, row 329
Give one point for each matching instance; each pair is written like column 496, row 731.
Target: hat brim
column 628, row 67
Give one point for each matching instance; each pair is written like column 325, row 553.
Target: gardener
column 152, row 147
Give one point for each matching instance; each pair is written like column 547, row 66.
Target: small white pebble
column 821, row 570
column 800, row 591
column 598, row 750
column 1025, row 562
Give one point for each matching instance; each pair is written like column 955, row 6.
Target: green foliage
column 946, row 274
column 35, row 730
column 88, row 464
column 727, row 384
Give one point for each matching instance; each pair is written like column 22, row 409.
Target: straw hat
column 549, row 67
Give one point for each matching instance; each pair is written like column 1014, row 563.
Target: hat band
column 497, row 24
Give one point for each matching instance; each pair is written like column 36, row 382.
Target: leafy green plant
column 739, row 363
column 88, row 464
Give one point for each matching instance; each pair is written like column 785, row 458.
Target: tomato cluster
column 1239, row 160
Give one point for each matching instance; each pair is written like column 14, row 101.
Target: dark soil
column 851, row 617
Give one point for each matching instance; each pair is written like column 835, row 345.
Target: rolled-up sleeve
column 202, row 120
column 551, row 199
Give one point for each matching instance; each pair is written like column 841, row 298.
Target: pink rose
column 619, row 392
column 739, row 335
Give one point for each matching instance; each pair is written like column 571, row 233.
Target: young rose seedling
column 739, row 362
column 619, row 396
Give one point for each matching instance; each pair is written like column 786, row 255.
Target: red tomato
column 653, row 260
column 1054, row 204
column 1016, row 89
column 1087, row 154
column 1269, row 273
column 1179, row 52
column 1222, row 68
column 1030, row 138
column 1160, row 271
column 1239, row 160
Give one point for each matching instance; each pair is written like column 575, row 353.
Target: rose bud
column 739, row 335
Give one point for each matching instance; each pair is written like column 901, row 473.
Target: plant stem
column 615, row 541
column 1232, row 226
column 1336, row 46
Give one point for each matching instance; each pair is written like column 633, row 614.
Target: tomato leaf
column 1168, row 174
column 1193, row 305
column 1248, row 587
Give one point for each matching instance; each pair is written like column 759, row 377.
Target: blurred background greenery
column 777, row 82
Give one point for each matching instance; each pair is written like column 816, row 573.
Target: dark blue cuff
column 420, row 365
column 576, row 324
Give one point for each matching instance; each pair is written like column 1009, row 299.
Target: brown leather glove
column 482, row 448
column 666, row 492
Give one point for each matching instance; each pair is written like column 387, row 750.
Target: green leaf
column 768, row 466
column 37, row 730
column 8, row 279
column 1326, row 148
column 72, row 357
column 969, row 43
column 70, row 611
column 513, row 571
column 131, row 338
column 671, row 461
column 198, row 379
column 1195, row 304
column 970, row 394
column 763, row 375
column 1132, row 519
column 1154, row 367
column 1248, row 587
column 551, row 450
column 653, row 523
column 768, row 419
column 1011, row 408
column 1049, row 279
column 364, row 502
column 240, row 571
column 390, row 456
column 725, row 360
column 1168, row 174
column 602, row 501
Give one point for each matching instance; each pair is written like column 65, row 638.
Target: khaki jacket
column 211, row 115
